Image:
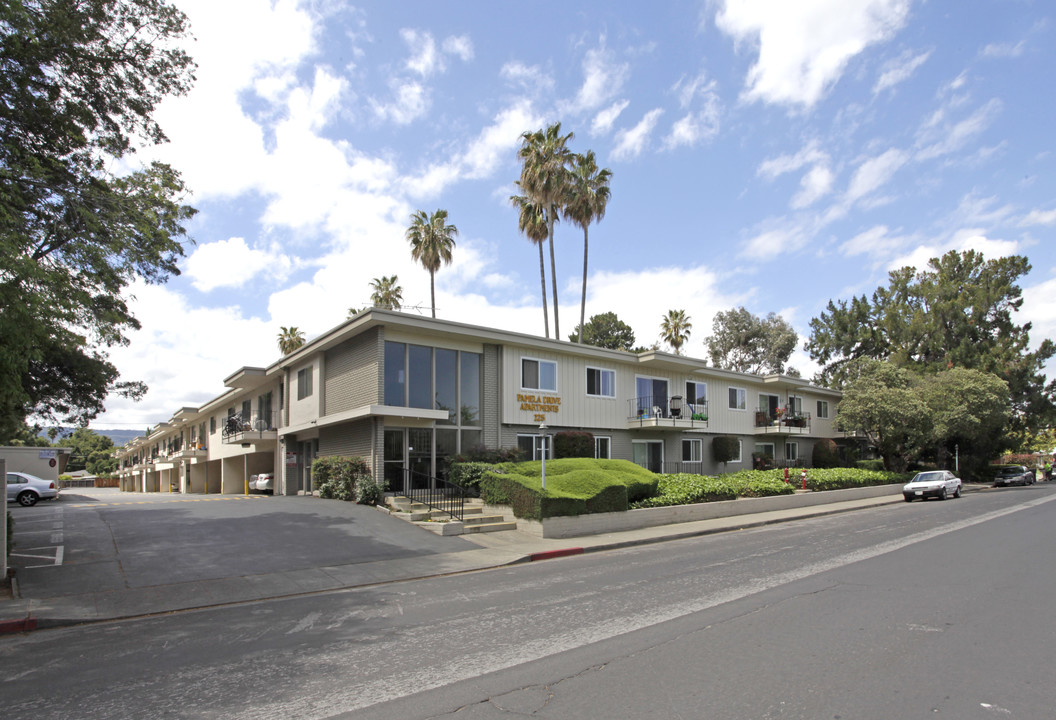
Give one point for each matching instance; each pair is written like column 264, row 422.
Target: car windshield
column 928, row 477
column 1012, row 470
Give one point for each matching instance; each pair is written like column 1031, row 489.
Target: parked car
column 264, row 482
column 1012, row 475
column 26, row 489
column 934, row 483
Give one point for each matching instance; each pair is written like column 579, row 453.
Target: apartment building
column 407, row 392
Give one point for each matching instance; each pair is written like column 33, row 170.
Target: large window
column 791, row 452
column 532, row 446
column 823, row 408
column 696, row 393
column 795, row 404
column 738, row 399
column 469, row 388
column 538, row 375
column 601, row 383
column 419, row 376
column 435, row 378
column 602, row 447
column 447, row 384
column 304, row 383
column 395, row 374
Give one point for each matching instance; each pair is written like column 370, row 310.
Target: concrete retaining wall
column 597, row 523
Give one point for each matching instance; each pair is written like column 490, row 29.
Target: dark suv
column 1012, row 475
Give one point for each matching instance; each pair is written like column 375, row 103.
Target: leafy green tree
column 588, row 195
column 956, row 313
column 744, row 342
column 534, row 222
column 884, row 402
column 24, row 436
column 607, row 331
column 968, row 410
column 387, row 293
column 290, row 339
column 79, row 84
column 675, row 328
column 87, row 445
column 544, row 181
column 432, row 241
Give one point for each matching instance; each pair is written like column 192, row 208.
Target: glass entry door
column 420, row 456
column 649, row 454
column 393, row 459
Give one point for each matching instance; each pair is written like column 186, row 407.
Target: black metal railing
column 782, row 418
column 435, row 493
column 662, row 407
column 238, row 428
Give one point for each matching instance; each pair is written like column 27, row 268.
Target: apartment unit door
column 649, row 454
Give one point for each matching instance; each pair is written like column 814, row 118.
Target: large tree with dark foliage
column 744, row 342
column 607, row 331
column 79, row 84
column 956, row 313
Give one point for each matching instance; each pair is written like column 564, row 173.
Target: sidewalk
column 18, row 614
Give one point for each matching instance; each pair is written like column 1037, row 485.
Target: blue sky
column 764, row 153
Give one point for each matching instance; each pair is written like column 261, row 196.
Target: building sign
column 49, row 454
column 540, row 405
column 291, row 459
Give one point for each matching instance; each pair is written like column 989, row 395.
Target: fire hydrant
column 804, row 476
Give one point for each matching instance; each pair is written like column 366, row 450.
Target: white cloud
column 1003, row 50
column 410, row 101
column 874, row 173
column 604, row 120
column 805, row 46
column 899, row 70
column 875, row 241
column 809, row 155
column 815, row 185
column 960, row 241
column 631, row 142
column 532, row 79
column 1038, row 217
column 603, row 79
column 936, row 139
column 773, row 242
column 698, row 125
column 425, row 59
column 461, row 46
column 228, row 263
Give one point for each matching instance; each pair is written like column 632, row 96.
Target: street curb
column 550, row 554
column 9, row 627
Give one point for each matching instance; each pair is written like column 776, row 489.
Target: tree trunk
column 432, row 292
column 553, row 274
column 583, row 301
column 542, row 281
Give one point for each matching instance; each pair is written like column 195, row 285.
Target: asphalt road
column 935, row 609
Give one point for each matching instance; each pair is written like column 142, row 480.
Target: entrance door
column 420, row 456
column 649, row 454
column 393, row 459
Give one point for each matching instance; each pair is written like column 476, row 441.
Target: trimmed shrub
column 826, row 454
column 369, row 491
column 869, row 464
column 574, row 444
column 335, row 477
column 467, row 475
column 492, row 457
column 725, row 448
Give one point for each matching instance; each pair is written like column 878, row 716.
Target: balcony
column 657, row 412
column 257, row 429
column 782, row 422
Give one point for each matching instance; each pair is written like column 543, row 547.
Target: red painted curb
column 547, row 555
column 17, row 626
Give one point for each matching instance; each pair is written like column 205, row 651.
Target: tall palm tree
column 387, row 294
column 432, row 241
column 532, row 221
column 290, row 338
column 544, row 180
column 674, row 329
column 588, row 194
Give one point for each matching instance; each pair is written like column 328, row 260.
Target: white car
column 27, row 489
column 934, row 483
column 264, row 482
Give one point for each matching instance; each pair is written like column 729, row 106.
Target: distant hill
column 117, row 437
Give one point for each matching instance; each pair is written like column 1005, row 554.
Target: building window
column 304, row 383
column 212, row 425
column 795, row 404
column 395, row 374
column 602, row 448
column 692, row 450
column 469, row 388
column 791, row 451
column 532, row 446
column 247, row 406
column 696, row 393
column 823, row 408
column 538, row 375
column 740, row 452
column 601, row 383
column 738, row 399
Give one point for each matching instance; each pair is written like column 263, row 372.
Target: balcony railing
column 435, row 493
column 661, row 410
column 238, row 429
column 783, row 420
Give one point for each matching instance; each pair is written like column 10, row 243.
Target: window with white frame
column 601, row 383
column 538, row 374
column 532, row 446
column 740, row 452
column 795, row 404
column 696, row 392
column 304, row 383
column 823, row 408
column 791, row 451
column 602, row 447
column 692, row 450
column 738, row 399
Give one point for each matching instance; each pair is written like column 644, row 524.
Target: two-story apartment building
column 407, row 392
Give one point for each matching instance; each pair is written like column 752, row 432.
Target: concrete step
column 489, row 527
column 482, row 519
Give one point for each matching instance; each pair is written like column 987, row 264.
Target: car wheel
column 957, row 492
column 942, row 495
column 908, row 498
column 27, row 499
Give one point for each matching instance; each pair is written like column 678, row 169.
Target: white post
column 542, row 427
column 3, row 519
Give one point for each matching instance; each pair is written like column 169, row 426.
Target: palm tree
column 544, row 180
column 387, row 294
column 290, row 338
column 432, row 240
column 674, row 329
column 588, row 194
column 532, row 222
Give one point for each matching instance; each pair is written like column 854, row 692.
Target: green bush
column 335, row 477
column 684, row 489
column 467, row 475
column 826, row 454
column 574, row 444
column 574, row 486
column 869, row 464
column 486, row 455
column 725, row 448
column 369, row 491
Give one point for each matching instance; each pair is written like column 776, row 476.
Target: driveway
column 101, row 540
